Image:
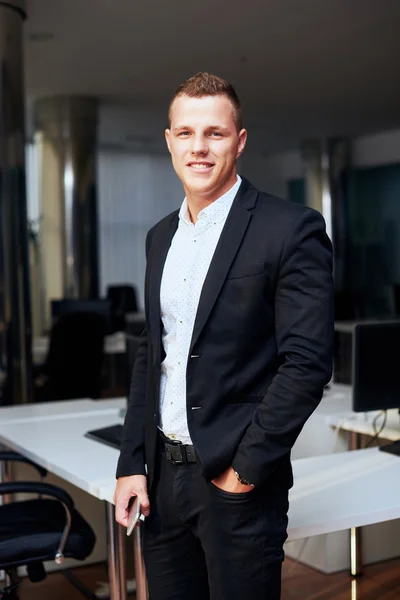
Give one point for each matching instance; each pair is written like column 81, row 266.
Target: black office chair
column 40, row 529
column 123, row 300
column 112, row 434
column 73, row 367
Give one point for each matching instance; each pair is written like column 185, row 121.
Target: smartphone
column 133, row 514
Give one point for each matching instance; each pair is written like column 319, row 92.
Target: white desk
column 317, row 438
column 329, row 553
column 60, row 409
column 331, row 492
column 113, row 344
column 52, row 435
column 335, row 492
column 363, row 423
column 343, row 490
column 58, row 444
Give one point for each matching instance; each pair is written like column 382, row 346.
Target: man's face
column 204, row 144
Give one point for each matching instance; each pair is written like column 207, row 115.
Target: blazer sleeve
column 132, row 455
column 304, row 326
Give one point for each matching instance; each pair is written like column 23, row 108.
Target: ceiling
column 301, row 67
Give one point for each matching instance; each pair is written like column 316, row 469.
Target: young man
column 236, row 354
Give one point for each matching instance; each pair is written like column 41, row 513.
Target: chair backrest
column 123, row 298
column 75, row 357
column 65, row 306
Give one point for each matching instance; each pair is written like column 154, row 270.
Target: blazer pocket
column 246, row 270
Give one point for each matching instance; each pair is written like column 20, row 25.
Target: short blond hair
column 205, row 84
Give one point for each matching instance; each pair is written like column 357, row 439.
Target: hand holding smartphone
column 133, row 514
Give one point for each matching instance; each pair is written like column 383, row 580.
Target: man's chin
column 201, row 188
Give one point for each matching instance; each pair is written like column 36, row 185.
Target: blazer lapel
column 159, row 250
column 229, row 243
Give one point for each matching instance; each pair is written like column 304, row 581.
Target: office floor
column 379, row 582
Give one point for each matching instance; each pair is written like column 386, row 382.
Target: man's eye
column 183, row 133
column 216, row 134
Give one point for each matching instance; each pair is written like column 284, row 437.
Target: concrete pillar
column 316, row 169
column 15, row 318
column 339, row 154
column 66, row 136
column 326, row 164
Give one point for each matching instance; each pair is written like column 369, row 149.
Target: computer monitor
column 112, row 435
column 72, row 305
column 376, row 366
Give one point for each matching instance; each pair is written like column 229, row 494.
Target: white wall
column 138, row 189
column 272, row 173
column 139, row 128
column 135, row 191
column 374, row 150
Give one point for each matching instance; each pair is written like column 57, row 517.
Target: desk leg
column 140, row 573
column 356, row 565
column 6, row 476
column 116, row 555
column 355, row 440
column 353, row 589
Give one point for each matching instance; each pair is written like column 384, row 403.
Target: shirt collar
column 217, row 210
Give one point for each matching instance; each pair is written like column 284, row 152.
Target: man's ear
column 242, row 142
column 167, row 135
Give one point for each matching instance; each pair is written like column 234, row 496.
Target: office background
column 320, row 71
column 321, row 95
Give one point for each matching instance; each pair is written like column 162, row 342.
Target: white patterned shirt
column 185, row 270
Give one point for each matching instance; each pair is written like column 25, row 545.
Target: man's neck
column 197, row 203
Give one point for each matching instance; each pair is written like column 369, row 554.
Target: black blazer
column 261, row 350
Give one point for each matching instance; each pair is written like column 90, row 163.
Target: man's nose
column 199, row 145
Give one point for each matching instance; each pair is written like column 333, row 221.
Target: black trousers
column 201, row 543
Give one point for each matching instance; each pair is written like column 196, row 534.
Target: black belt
column 176, row 452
